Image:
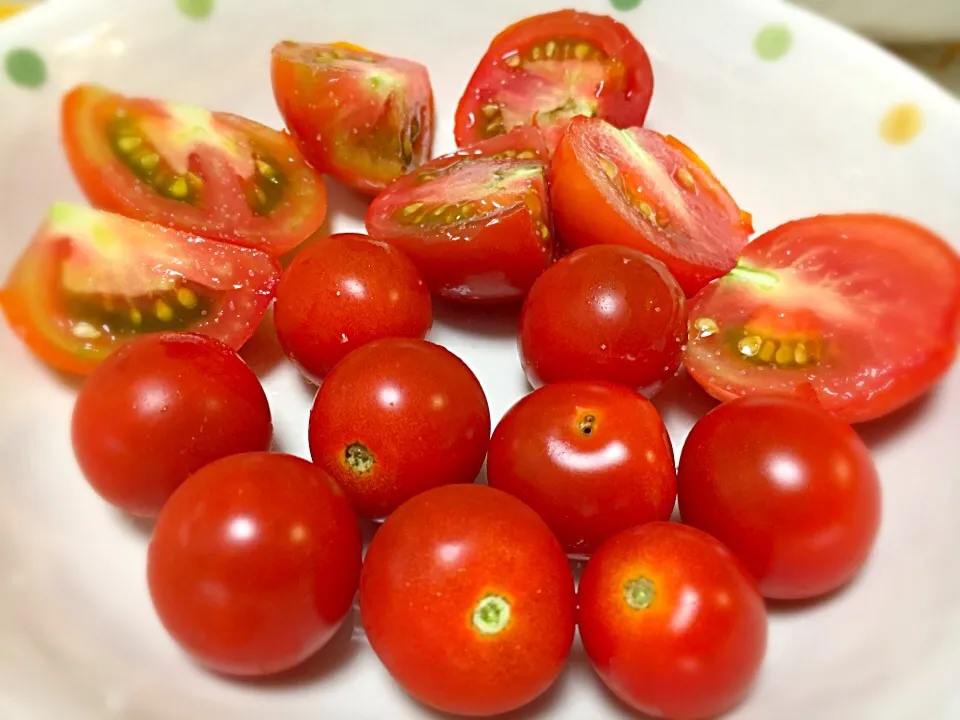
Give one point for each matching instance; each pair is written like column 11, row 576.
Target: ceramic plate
column 795, row 115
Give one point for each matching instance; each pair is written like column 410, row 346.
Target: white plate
column 789, row 137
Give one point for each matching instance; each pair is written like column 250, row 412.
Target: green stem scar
column 491, row 615
column 639, row 593
column 762, row 279
column 358, row 458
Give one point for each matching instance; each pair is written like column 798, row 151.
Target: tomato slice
column 91, row 281
column 476, row 222
column 859, row 313
column 639, row 188
column 208, row 173
column 363, row 118
column 549, row 68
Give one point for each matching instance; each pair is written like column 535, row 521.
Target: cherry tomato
column 159, row 409
column 476, row 222
column 788, row 487
column 210, row 173
column 549, row 68
column 858, row 313
column 364, row 118
column 342, row 292
column 639, row 188
column 671, row 622
column 592, row 458
column 254, row 563
column 397, row 417
column 603, row 313
column 468, row 600
column 90, row 281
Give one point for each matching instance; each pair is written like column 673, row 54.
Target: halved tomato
column 859, row 313
column 212, row 174
column 476, row 222
column 639, row 188
column 546, row 69
column 90, row 281
column 363, row 118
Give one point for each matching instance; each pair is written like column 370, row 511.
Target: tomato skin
column 592, row 458
column 428, row 568
column 789, row 488
column 159, row 409
column 395, row 418
column 342, row 292
column 603, row 313
column 254, row 563
column 695, row 649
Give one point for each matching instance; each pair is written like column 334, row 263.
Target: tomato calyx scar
column 587, row 423
column 639, row 593
column 358, row 459
column 491, row 615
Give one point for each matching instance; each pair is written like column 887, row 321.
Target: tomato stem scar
column 491, row 615
column 760, row 278
column 639, row 593
column 587, row 424
column 358, row 458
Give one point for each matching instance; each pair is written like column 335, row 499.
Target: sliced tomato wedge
column 361, row 117
column 639, row 188
column 546, row 69
column 859, row 313
column 208, row 173
column 90, row 281
column 476, row 222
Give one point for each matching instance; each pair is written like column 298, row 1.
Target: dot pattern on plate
column 25, row 67
column 772, row 42
column 196, row 9
column 625, row 4
column 901, row 123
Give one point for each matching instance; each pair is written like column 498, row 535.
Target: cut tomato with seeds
column 546, row 69
column 363, row 118
column 91, row 281
column 859, row 313
column 476, row 222
column 639, row 188
column 212, row 174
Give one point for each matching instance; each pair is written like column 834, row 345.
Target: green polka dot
column 625, row 4
column 196, row 9
column 773, row 42
column 25, row 67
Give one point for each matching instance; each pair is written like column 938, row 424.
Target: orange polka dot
column 901, row 123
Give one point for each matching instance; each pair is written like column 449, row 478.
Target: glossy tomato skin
column 603, row 313
column 159, row 409
column 254, row 563
column 526, row 77
column 212, row 174
column 342, row 292
column 476, row 222
column 592, row 458
column 859, row 313
column 397, row 417
column 362, row 117
column 671, row 622
column 468, row 600
column 789, row 488
column 639, row 188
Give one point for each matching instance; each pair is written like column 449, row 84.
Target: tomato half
column 363, row 118
column 476, row 222
column 212, row 174
column 859, row 313
column 90, row 281
column 548, row 68
column 639, row 188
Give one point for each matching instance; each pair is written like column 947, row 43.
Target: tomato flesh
column 363, row 118
column 858, row 313
column 90, row 281
column 547, row 69
column 212, row 174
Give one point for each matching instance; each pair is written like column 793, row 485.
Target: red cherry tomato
column 789, row 488
column 254, row 563
column 397, row 417
column 342, row 292
column 549, row 68
column 467, row 599
column 639, row 188
column 364, row 118
column 158, row 410
column 476, row 222
column 603, row 313
column 671, row 622
column 858, row 313
column 591, row 458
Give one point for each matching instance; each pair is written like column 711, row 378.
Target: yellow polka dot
column 901, row 123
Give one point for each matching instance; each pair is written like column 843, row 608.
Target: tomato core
column 639, row 593
column 491, row 615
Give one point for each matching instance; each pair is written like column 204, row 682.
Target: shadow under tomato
column 682, row 396
column 494, row 321
column 262, row 352
column 876, row 433
column 791, row 607
column 142, row 526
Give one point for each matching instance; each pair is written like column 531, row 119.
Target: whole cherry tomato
column 671, row 622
